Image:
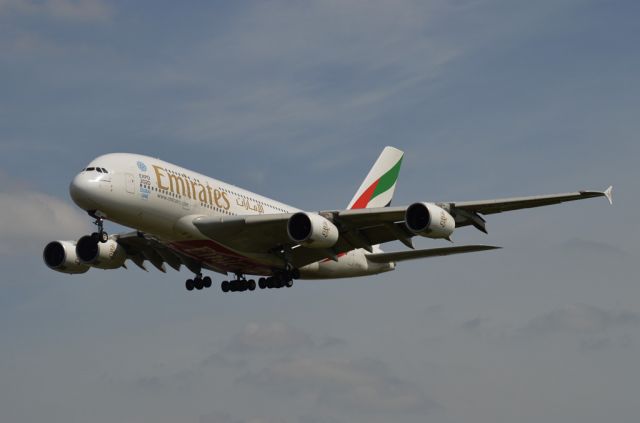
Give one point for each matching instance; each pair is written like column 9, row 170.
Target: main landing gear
column 278, row 280
column 238, row 285
column 198, row 283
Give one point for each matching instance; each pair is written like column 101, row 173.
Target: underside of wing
column 252, row 233
column 141, row 247
column 431, row 252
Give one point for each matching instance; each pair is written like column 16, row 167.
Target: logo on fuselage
column 142, row 166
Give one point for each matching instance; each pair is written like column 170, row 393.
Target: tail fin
column 379, row 185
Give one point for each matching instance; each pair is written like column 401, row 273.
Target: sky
column 295, row 100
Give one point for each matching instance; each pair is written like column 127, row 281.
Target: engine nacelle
column 61, row 257
column 429, row 220
column 312, row 230
column 103, row 255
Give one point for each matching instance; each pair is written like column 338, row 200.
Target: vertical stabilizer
column 379, row 185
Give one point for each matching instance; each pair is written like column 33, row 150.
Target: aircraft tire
column 198, row 283
column 252, row 285
column 224, row 286
column 189, row 285
column 262, row 283
column 206, row 282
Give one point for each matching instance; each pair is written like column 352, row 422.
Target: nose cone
column 82, row 190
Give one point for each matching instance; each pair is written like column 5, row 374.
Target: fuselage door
column 130, row 183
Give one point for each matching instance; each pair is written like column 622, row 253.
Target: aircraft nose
column 81, row 189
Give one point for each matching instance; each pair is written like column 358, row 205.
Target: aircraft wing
column 141, row 247
column 468, row 212
column 359, row 228
column 508, row 204
column 431, row 252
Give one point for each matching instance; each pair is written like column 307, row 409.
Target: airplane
column 182, row 218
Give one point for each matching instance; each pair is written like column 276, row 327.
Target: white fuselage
column 162, row 199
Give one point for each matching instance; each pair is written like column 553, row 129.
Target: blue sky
column 488, row 98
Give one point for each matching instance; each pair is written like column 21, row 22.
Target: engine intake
column 312, row 230
column 103, row 255
column 429, row 220
column 61, row 257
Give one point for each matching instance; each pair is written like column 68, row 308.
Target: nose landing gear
column 101, row 235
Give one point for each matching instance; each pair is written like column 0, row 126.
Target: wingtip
column 608, row 193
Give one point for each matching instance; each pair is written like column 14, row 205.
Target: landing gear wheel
column 206, row 282
column 189, row 285
column 224, row 286
column 101, row 235
column 262, row 283
column 252, row 285
column 289, row 283
column 198, row 284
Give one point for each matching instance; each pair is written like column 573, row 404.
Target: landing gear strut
column 101, row 235
column 198, row 282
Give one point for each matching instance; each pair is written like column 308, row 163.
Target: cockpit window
column 104, row 170
column 99, row 169
column 89, row 169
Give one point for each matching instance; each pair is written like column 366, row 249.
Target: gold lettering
column 159, row 176
column 221, row 199
column 210, row 194
column 178, row 189
column 202, row 195
column 193, row 189
column 224, row 197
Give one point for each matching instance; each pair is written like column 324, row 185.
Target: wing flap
column 431, row 252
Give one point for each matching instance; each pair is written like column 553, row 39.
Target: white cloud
column 346, row 64
column 29, row 220
column 220, row 417
column 276, row 336
column 72, row 10
column 580, row 319
column 363, row 385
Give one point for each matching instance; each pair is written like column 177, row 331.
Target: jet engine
column 312, row 230
column 61, row 257
column 103, row 255
column 429, row 220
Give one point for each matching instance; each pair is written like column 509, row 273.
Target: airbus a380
column 181, row 217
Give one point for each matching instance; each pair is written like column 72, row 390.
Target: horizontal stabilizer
column 431, row 252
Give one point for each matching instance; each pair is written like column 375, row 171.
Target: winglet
column 607, row 193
